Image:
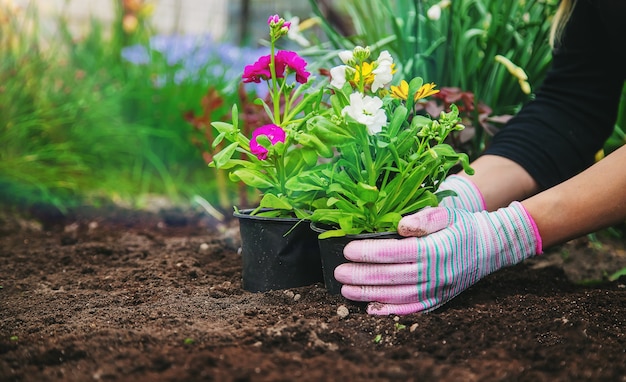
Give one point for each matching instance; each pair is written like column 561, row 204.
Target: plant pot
column 331, row 252
column 277, row 253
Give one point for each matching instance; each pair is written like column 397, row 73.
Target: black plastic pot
column 277, row 253
column 331, row 252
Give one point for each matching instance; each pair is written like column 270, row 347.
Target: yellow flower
column 516, row 72
column 366, row 71
column 426, row 90
column 402, row 91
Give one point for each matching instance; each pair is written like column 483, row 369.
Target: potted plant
column 390, row 158
column 279, row 250
column 352, row 156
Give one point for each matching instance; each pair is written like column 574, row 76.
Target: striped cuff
column 468, row 196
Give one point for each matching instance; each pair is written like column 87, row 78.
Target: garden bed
column 112, row 294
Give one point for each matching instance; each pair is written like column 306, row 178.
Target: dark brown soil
column 117, row 295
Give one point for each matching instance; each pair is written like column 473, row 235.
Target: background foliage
column 120, row 115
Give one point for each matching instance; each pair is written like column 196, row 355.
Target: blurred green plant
column 494, row 50
column 80, row 119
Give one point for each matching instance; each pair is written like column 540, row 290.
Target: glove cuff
column 531, row 229
column 468, row 196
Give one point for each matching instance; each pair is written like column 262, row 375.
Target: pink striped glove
column 402, row 276
column 468, row 196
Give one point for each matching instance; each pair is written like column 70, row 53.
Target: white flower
column 366, row 110
column 294, row 33
column 346, row 56
column 383, row 74
column 338, row 75
column 434, row 12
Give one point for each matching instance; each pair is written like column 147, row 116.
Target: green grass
column 78, row 124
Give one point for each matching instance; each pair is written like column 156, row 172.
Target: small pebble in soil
column 342, row 311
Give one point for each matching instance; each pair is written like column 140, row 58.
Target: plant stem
column 274, row 91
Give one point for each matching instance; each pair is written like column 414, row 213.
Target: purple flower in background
column 274, row 133
column 197, row 59
column 136, row 54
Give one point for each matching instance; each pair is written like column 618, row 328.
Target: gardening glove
column 452, row 250
column 468, row 196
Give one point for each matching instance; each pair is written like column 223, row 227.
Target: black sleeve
column 557, row 135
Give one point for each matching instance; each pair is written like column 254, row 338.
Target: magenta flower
column 258, row 71
column 274, row 133
column 274, row 19
column 295, row 63
column 284, row 59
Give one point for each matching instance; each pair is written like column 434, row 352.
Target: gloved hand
column 456, row 249
column 468, row 196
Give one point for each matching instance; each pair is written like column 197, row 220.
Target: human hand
column 452, row 250
column 468, row 196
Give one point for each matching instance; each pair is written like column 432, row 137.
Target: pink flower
column 274, row 19
column 295, row 63
column 284, row 59
column 258, row 71
column 274, row 133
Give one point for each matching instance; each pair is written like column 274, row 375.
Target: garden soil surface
column 111, row 294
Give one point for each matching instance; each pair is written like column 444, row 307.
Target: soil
column 121, row 295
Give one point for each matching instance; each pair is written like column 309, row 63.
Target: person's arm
column 500, row 181
column 592, row 200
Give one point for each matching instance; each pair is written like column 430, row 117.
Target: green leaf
column 220, row 159
column 252, row 178
column 444, row 194
column 273, row 201
column 306, row 181
column 414, row 86
column 391, row 217
column 268, row 110
column 331, row 233
column 264, row 141
column 615, row 276
column 397, row 120
column 223, row 127
column 218, row 140
column 367, row 193
column 309, row 156
column 234, row 111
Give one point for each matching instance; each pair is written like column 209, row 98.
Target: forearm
column 501, row 181
column 590, row 201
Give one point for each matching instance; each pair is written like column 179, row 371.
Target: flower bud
column 347, row 57
column 360, row 53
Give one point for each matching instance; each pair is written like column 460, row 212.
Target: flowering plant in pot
column 278, row 151
column 381, row 158
column 278, row 250
column 390, row 159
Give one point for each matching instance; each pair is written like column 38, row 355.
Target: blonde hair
column 561, row 17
